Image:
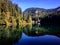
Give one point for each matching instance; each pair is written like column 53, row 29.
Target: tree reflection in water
column 9, row 35
column 39, row 30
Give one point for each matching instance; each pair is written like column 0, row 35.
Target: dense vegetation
column 13, row 22
column 11, row 14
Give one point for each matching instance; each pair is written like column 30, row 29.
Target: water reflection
column 38, row 30
column 38, row 40
column 9, row 35
column 40, row 35
column 34, row 30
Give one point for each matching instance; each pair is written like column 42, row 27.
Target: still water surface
column 30, row 35
column 40, row 40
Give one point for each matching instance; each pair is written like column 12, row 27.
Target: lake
column 29, row 35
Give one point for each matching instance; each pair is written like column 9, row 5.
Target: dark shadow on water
column 39, row 30
column 32, row 35
column 9, row 35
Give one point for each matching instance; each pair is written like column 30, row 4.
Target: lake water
column 30, row 35
column 40, row 40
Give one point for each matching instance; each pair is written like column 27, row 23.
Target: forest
column 11, row 14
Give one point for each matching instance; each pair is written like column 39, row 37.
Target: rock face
column 52, row 18
column 39, row 14
column 35, row 12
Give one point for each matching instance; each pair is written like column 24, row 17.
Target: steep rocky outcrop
column 43, row 15
column 35, row 12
